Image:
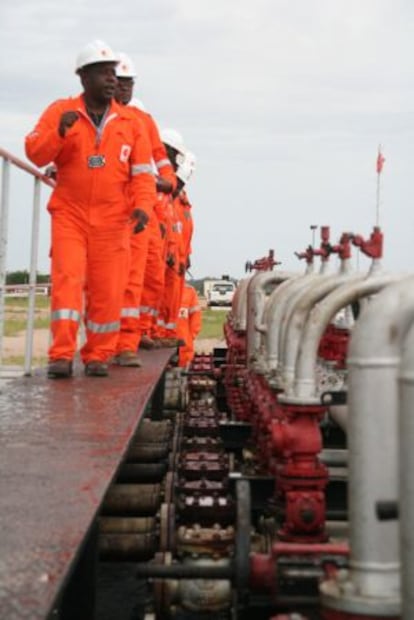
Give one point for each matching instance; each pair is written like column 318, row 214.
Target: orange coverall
column 189, row 324
column 183, row 210
column 142, row 251
column 91, row 219
column 154, row 279
column 174, row 274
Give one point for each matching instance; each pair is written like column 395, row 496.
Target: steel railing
column 39, row 178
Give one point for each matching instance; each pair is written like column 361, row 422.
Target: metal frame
column 39, row 177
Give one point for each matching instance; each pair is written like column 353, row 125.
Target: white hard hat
column 174, row 139
column 125, row 68
column 186, row 166
column 137, row 103
column 96, row 51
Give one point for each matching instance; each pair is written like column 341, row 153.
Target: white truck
column 219, row 292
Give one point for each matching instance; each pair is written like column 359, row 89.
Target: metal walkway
column 61, row 443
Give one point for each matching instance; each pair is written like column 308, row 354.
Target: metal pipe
column 256, row 299
column 273, row 314
column 330, row 548
column 126, row 525
column 239, row 306
column 19, row 163
column 34, row 250
column 373, row 363
column 9, row 159
column 304, row 389
column 127, row 547
column 154, row 432
column 184, row 571
column 339, row 413
column 296, row 316
column 373, row 583
column 142, row 472
column 4, row 220
column 406, row 476
column 132, row 499
column 147, row 453
column 334, row 457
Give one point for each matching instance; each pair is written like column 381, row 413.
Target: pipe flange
column 340, row 594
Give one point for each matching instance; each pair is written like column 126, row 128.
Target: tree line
column 22, row 277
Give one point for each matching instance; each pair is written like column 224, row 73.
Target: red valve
column 266, row 263
column 372, row 247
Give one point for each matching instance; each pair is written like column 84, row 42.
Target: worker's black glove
column 66, row 121
column 163, row 230
column 170, row 260
column 181, row 269
column 140, row 219
column 188, row 263
column 51, row 172
column 163, row 186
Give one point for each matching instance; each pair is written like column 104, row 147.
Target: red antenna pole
column 379, row 166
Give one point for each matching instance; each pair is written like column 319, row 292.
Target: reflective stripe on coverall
column 142, row 253
column 90, row 219
column 189, row 324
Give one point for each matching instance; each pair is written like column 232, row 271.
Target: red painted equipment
column 266, row 263
column 301, row 478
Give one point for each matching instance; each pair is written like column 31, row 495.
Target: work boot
column 146, row 343
column 59, row 369
column 127, row 358
column 96, row 369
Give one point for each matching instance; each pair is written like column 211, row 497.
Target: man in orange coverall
column 100, row 150
column 189, row 324
column 161, row 258
column 178, row 247
column 182, row 208
column 130, row 334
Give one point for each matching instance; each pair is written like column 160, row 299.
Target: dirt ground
column 13, row 346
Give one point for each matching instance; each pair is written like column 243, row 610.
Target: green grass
column 42, row 302
column 212, row 325
column 18, row 360
column 18, row 306
column 13, row 326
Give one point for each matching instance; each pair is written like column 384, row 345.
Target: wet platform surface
column 61, row 443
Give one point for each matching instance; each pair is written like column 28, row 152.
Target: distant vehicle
column 221, row 293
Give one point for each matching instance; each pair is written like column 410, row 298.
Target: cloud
column 283, row 101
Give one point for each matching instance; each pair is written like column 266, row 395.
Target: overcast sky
column 284, row 103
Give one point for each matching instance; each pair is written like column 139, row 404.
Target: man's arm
column 45, row 142
column 167, row 180
column 142, row 184
column 194, row 315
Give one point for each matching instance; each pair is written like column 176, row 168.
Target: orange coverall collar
column 114, row 107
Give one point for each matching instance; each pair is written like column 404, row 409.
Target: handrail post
column 34, row 250
column 4, row 222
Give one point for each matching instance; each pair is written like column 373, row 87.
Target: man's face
column 99, row 81
column 124, row 90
